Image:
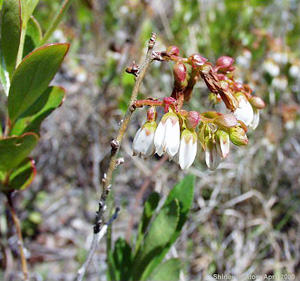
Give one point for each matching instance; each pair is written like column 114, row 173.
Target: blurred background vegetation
column 246, row 215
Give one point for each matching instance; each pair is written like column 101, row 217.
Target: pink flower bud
column 238, row 136
column 179, row 71
column 225, row 62
column 192, row 119
column 174, row 50
column 257, row 102
column 196, row 60
column 226, row 121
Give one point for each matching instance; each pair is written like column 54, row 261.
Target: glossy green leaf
column 167, row 271
column 149, row 209
column 32, row 77
column 13, row 150
column 10, row 32
column 160, row 233
column 21, row 177
column 31, row 120
column 33, row 36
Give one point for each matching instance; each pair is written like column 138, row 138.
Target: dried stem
column 115, row 146
column 96, row 239
column 20, row 237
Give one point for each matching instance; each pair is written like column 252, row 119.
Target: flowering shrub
column 179, row 130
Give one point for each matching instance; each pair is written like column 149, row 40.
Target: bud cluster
column 179, row 131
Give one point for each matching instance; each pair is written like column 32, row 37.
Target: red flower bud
column 174, row 50
column 179, row 71
column 196, row 60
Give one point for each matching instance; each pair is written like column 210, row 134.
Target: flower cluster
column 179, row 131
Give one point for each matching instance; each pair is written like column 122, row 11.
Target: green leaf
column 167, row 271
column 11, row 32
column 149, row 209
column 184, row 193
column 31, row 120
column 28, row 7
column 32, row 77
column 33, row 36
column 122, row 257
column 22, row 176
column 13, row 150
column 160, row 233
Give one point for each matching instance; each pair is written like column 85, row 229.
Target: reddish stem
column 141, row 103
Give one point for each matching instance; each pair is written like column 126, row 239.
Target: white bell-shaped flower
column 167, row 135
column 212, row 157
column 188, row 148
column 143, row 142
column 244, row 112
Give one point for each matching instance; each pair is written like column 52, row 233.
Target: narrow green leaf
column 13, row 150
column 149, row 209
column 33, row 36
column 31, row 120
column 11, row 32
column 167, row 271
column 22, row 176
column 32, row 77
column 160, row 233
